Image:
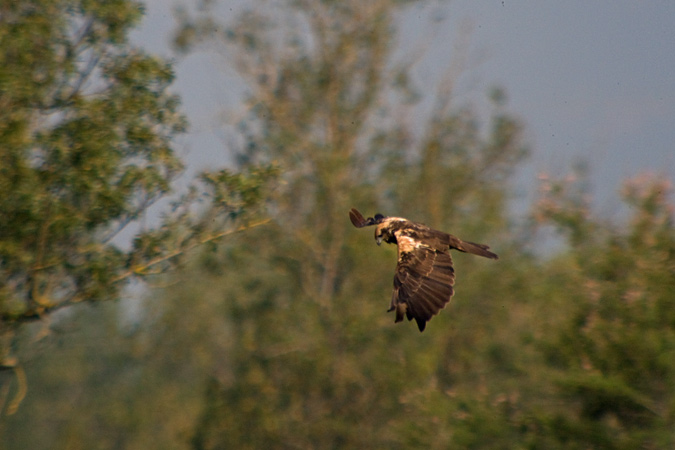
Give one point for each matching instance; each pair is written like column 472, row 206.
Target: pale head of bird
column 384, row 231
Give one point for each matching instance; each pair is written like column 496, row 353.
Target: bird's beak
column 378, row 240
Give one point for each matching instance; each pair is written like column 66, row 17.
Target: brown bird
column 424, row 278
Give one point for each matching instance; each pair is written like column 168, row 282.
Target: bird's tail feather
column 476, row 249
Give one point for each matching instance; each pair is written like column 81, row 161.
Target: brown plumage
column 424, row 278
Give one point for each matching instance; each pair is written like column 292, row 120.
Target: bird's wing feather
column 423, row 280
column 357, row 218
column 441, row 241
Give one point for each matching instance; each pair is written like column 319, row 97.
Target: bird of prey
column 424, row 278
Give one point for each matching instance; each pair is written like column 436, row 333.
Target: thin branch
column 84, row 76
column 39, row 313
column 139, row 270
column 132, row 216
column 22, row 390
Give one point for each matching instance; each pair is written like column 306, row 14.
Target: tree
column 86, row 148
column 279, row 338
column 312, row 360
column 612, row 350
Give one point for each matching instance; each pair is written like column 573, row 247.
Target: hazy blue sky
column 587, row 78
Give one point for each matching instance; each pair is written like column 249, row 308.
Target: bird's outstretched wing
column 357, row 218
column 423, row 283
column 359, row 221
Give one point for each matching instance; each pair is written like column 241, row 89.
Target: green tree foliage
column 613, row 351
column 86, row 132
column 280, row 338
column 86, row 135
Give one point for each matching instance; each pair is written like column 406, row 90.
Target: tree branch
column 140, row 270
column 39, row 312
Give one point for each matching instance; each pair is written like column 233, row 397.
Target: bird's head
column 383, row 232
column 386, row 228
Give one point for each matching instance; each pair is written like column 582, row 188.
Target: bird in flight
column 424, row 278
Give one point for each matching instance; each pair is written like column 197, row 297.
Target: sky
column 591, row 81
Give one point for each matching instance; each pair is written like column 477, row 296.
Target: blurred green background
column 240, row 309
